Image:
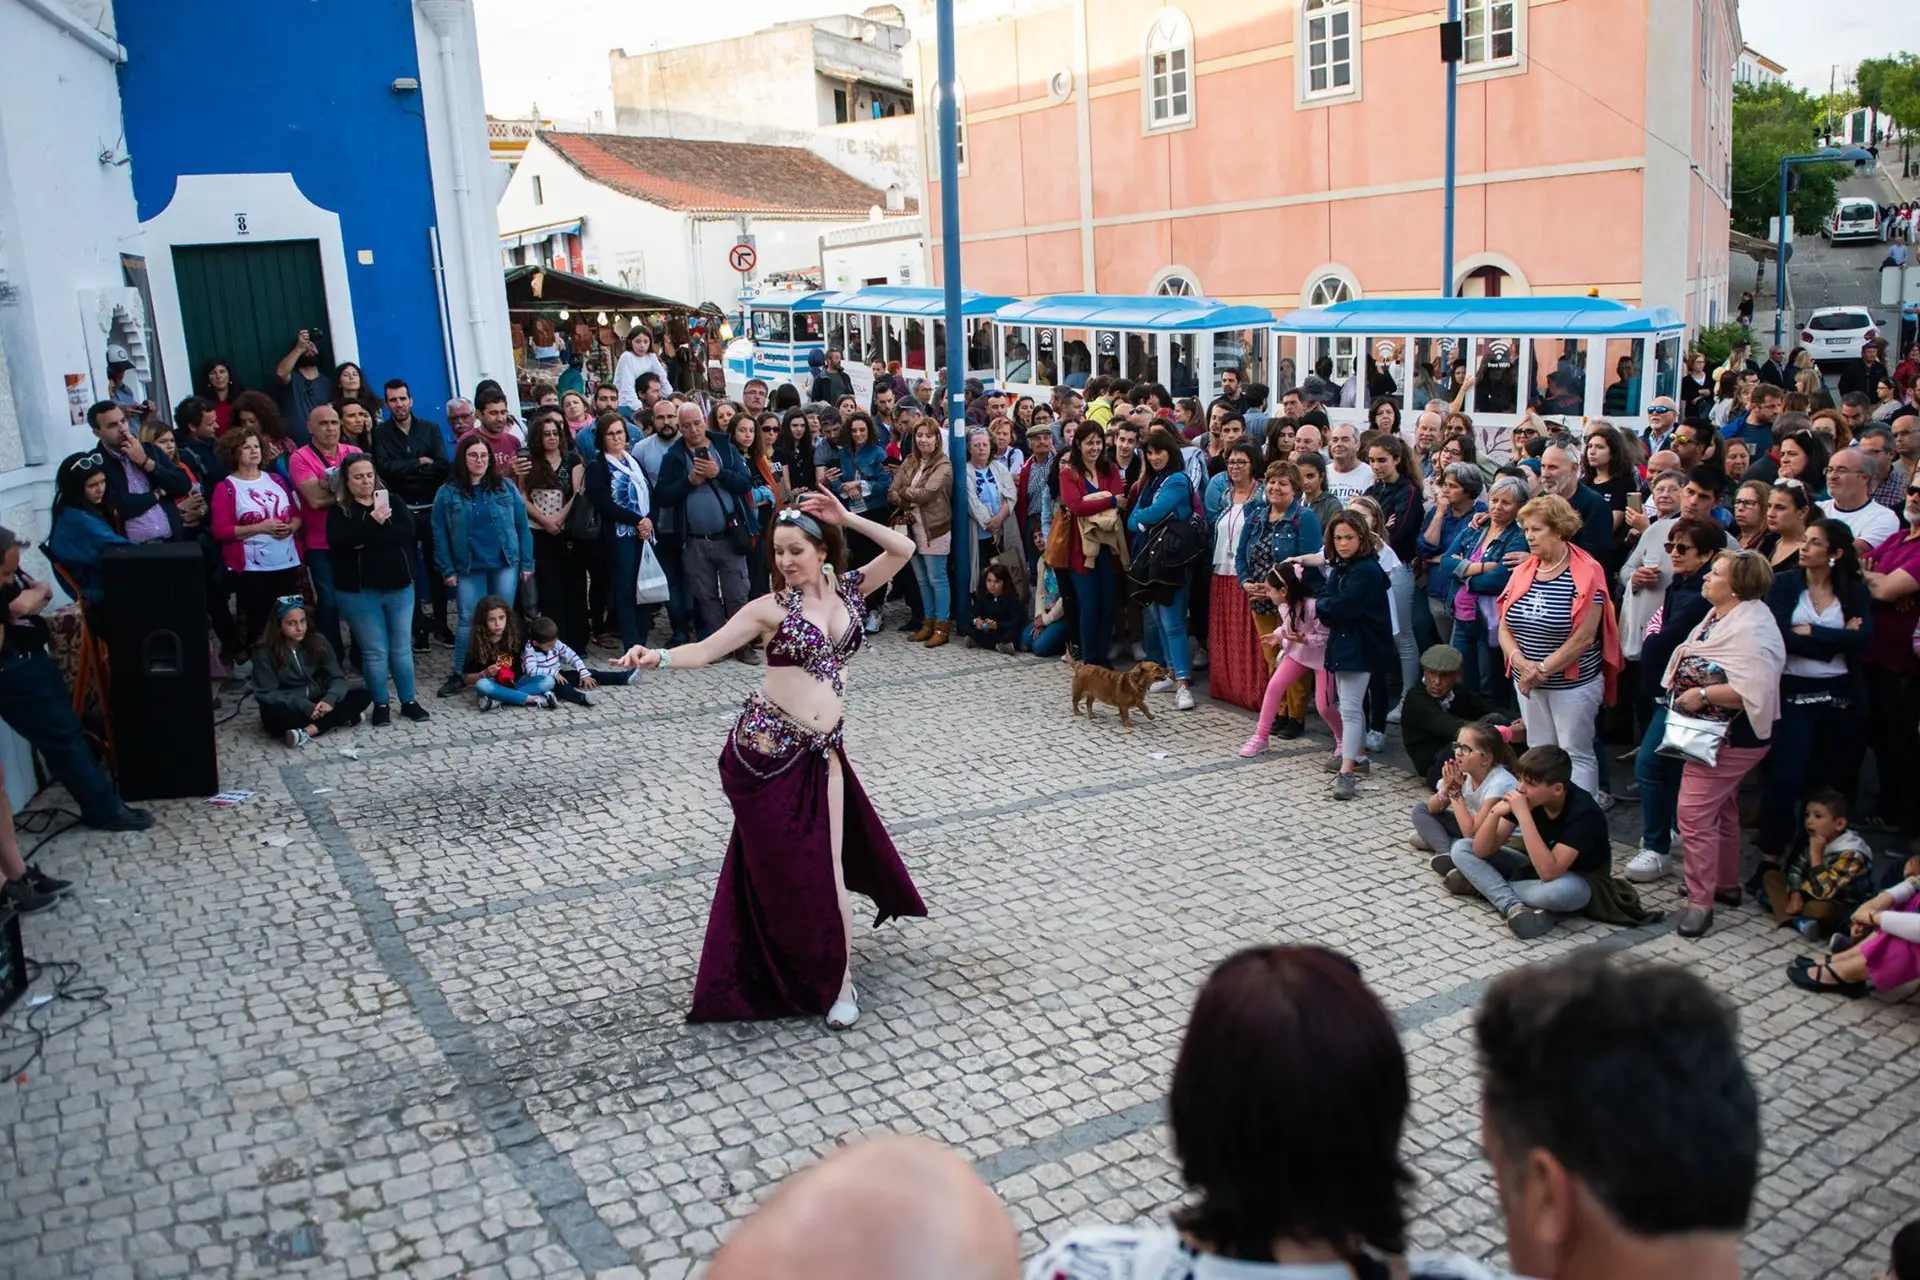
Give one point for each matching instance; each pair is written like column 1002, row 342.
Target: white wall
column 896, row 260
column 65, row 218
column 458, row 152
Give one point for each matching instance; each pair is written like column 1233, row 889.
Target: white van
column 1853, row 219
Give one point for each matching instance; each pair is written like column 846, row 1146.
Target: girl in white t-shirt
column 255, row 522
column 1480, row 771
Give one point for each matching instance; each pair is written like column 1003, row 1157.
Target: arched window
column 1166, row 73
column 1175, row 282
column 1325, row 291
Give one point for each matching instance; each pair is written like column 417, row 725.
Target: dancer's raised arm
column 896, row 548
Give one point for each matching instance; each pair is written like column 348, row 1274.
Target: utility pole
column 955, row 410
column 1450, row 52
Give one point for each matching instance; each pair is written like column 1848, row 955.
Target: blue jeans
column 1164, row 628
column 1051, row 642
column 35, row 703
column 1479, row 665
column 471, row 589
column 381, row 622
column 936, row 597
column 1097, row 593
column 1565, row 894
column 635, row 620
column 320, row 570
column 1659, row 781
column 523, row 690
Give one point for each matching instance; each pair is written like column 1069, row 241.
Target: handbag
column 583, row 520
column 1056, row 552
column 650, row 583
column 1692, row 738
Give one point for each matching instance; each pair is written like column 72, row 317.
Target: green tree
column 1771, row 121
column 1895, row 82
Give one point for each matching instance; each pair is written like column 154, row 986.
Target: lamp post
column 954, row 411
column 1450, row 52
column 1827, row 155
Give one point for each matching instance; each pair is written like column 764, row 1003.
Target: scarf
column 629, row 483
column 1746, row 644
column 1589, row 577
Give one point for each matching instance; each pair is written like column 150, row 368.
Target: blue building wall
column 302, row 87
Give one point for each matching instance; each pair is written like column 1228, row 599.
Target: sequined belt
column 767, row 728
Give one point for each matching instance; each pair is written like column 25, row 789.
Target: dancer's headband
column 802, row 521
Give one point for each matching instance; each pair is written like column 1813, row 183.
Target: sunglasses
column 1673, row 547
column 88, row 462
column 1913, row 489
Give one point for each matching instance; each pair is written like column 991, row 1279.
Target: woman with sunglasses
column 1789, row 507
column 82, row 528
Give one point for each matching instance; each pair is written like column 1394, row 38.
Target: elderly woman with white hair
column 1474, row 571
column 1457, row 489
column 990, row 495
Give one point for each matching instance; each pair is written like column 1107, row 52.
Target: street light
column 1827, row 155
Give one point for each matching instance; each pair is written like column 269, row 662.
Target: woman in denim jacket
column 482, row 543
column 1476, row 563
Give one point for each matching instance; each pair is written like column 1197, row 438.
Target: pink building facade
column 1291, row 152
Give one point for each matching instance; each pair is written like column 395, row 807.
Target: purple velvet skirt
column 774, row 946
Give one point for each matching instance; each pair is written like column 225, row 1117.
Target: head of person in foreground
column 890, row 1208
column 1622, row 1126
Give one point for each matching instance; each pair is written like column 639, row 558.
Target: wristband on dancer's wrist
column 666, row 658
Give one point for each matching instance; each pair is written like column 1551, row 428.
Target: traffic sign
column 742, row 257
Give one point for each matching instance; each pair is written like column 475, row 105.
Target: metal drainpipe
column 443, row 16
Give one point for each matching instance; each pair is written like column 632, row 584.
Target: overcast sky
column 554, row 53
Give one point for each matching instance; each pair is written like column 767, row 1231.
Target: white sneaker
column 873, row 624
column 297, row 738
column 589, row 697
column 1197, row 657
column 1375, row 740
column 1183, row 701
column 1393, row 716
column 1647, row 866
column 1163, row 686
column 1604, row 799
column 1139, row 651
column 486, row 703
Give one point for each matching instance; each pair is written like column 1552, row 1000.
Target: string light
column 602, row 319
column 565, row 314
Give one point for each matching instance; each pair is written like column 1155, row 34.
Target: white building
column 839, row 86
column 662, row 215
column 888, row 252
column 1757, row 69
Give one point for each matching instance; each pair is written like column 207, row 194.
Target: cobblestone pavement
column 437, row 1029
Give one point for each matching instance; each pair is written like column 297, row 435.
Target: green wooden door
column 245, row 303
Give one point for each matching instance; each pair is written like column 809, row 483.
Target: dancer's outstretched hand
column 824, row 507
column 639, row 658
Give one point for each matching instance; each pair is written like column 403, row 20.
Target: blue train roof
column 1103, row 311
column 787, row 300
column 1510, row 317
column 901, row 300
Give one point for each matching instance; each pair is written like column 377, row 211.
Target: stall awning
column 535, row 235
column 563, row 289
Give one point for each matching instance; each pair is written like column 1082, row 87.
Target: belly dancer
column 780, row 935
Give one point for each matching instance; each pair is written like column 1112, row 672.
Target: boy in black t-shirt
column 1562, row 836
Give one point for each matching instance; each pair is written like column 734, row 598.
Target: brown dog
column 1126, row 690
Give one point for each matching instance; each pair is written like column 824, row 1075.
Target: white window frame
column 1162, row 284
column 539, row 192
column 1321, row 291
column 1311, row 11
column 1493, row 68
column 1169, row 36
column 961, row 166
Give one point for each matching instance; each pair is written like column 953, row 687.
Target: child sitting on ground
column 493, row 655
column 297, row 680
column 1046, row 635
column 548, row 655
column 1822, row 884
column 996, row 613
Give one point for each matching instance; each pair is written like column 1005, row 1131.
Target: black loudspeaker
column 156, row 607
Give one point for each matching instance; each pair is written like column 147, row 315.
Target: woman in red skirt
column 1238, row 671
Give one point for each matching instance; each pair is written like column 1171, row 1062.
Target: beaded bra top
column 798, row 643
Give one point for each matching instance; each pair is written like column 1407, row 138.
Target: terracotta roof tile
column 734, row 177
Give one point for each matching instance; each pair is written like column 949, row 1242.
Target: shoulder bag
column 1692, row 738
column 583, row 518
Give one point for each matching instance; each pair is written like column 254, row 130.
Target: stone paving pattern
column 440, row 1031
